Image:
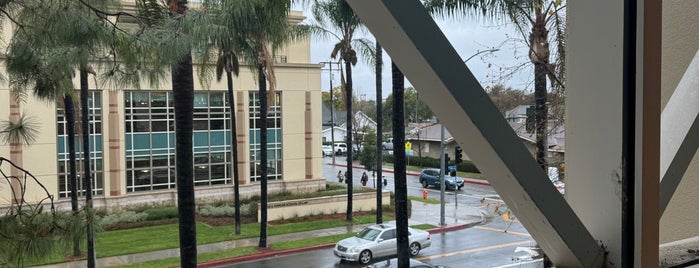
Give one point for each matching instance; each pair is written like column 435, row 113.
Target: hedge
column 465, row 166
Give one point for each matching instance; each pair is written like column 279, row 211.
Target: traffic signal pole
column 441, row 180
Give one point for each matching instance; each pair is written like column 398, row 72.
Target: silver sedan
column 378, row 241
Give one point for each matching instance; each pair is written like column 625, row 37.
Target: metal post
column 441, row 180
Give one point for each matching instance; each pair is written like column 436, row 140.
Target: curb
column 466, row 180
column 263, row 255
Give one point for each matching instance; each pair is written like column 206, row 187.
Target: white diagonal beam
column 418, row 47
column 679, row 132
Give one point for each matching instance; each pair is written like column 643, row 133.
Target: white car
column 387, row 145
column 327, row 150
column 379, row 240
column 340, row 148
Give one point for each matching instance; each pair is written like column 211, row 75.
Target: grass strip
column 428, row 201
column 203, row 257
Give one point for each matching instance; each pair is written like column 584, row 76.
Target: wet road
column 480, row 246
column 490, row 245
column 470, row 194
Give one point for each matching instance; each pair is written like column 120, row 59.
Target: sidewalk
column 421, row 213
column 413, row 173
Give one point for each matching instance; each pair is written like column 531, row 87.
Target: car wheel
column 460, row 188
column 383, row 147
column 424, row 184
column 365, row 257
column 414, row 249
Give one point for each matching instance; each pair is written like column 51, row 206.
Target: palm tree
column 333, row 17
column 225, row 41
column 401, row 186
column 264, row 27
column 183, row 93
column 538, row 15
column 43, row 55
column 379, row 133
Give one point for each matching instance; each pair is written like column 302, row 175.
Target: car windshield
column 368, row 234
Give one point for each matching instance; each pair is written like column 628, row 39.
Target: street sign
column 452, row 168
column 408, row 146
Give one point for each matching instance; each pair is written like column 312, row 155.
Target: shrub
column 122, row 217
column 217, row 211
column 250, row 209
column 159, row 213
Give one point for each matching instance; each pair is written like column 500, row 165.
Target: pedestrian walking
column 385, row 181
column 347, row 177
column 340, row 178
column 365, row 178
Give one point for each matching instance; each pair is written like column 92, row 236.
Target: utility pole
column 442, row 166
column 332, row 105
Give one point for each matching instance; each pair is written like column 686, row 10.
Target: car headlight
column 354, row 250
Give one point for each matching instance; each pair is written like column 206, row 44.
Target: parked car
column 379, row 240
column 393, row 263
column 340, row 148
column 430, row 177
column 387, row 144
column 328, row 150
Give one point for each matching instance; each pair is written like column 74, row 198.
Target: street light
column 443, row 155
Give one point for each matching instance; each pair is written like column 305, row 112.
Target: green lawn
column 153, row 238
column 419, row 199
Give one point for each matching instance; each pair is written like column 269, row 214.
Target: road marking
column 474, row 250
column 501, row 230
column 519, row 263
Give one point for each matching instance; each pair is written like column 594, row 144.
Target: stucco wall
column 680, row 44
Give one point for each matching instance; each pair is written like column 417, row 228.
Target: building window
column 96, row 158
column 274, row 138
column 150, row 139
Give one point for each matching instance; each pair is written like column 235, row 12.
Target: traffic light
column 446, row 160
column 457, row 155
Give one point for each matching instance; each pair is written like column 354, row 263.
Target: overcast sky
column 468, row 36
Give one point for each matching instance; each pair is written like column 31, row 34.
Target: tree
column 539, row 16
column 226, row 42
column 263, row 25
column 333, row 17
column 367, row 157
column 379, row 132
column 338, row 98
column 401, row 188
column 52, row 41
column 411, row 98
column 506, row 98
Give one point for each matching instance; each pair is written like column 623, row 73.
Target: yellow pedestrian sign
column 408, row 146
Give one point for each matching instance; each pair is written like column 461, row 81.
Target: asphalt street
column 492, row 244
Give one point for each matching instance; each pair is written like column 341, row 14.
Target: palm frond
column 25, row 130
column 366, row 49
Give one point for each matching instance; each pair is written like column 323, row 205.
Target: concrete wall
column 680, row 44
column 322, row 205
column 593, row 123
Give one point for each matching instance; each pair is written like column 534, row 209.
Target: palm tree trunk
column 263, row 156
column 399, row 176
column 379, row 133
column 87, row 178
column 348, row 104
column 234, row 152
column 541, row 112
column 183, row 92
column 69, row 110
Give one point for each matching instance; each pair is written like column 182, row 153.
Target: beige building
column 132, row 137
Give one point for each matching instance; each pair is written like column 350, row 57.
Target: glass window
column 274, row 140
column 150, row 136
column 95, row 138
